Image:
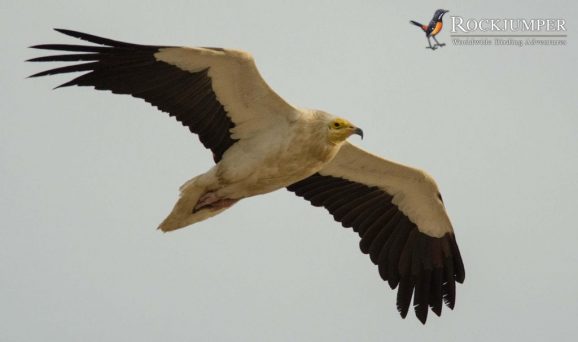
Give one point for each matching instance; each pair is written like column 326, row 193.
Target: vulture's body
column 272, row 159
column 260, row 143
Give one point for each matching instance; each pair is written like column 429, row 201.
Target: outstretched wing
column 217, row 93
column 399, row 215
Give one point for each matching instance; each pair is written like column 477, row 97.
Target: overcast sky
column 86, row 177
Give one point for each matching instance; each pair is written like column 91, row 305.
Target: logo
column 508, row 32
column 431, row 31
column 496, row 31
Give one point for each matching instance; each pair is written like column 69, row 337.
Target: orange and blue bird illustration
column 434, row 27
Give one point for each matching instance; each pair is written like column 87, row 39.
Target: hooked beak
column 358, row 131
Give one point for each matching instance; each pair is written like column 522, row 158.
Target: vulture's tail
column 183, row 213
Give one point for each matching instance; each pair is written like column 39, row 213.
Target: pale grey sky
column 86, row 177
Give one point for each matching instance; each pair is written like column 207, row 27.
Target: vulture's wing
column 399, row 215
column 217, row 93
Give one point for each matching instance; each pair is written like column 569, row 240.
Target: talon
column 211, row 201
column 206, row 200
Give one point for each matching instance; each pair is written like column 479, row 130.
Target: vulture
column 260, row 143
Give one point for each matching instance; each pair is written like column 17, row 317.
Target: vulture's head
column 341, row 129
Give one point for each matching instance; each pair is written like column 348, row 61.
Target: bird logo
column 434, row 27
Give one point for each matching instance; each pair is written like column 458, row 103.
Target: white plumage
column 414, row 191
column 260, row 143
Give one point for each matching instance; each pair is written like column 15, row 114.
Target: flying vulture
column 260, row 143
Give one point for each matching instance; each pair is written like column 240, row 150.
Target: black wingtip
column 63, row 85
column 38, row 74
column 421, row 315
column 449, row 301
column 402, row 312
column 460, row 273
column 404, row 294
column 96, row 39
column 84, row 36
column 76, row 34
column 39, row 46
column 71, row 33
